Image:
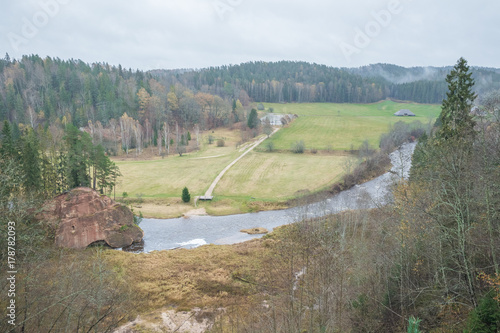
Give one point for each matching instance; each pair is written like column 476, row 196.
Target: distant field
column 271, row 176
column 324, row 125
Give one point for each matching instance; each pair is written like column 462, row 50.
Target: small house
column 404, row 112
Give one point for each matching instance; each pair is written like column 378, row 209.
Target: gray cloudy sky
column 151, row 34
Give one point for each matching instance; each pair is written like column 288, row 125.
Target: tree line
column 302, row 82
column 124, row 109
column 112, row 103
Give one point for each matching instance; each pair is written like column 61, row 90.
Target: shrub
column 270, row 146
column 413, row 324
column 298, row 147
column 186, row 197
column 366, row 150
column 221, row 143
column 210, row 139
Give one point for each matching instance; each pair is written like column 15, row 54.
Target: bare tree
column 137, row 129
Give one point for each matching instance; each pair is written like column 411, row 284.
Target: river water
column 165, row 234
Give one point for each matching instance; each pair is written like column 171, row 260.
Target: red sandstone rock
column 83, row 216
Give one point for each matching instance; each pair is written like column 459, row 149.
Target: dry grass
column 162, row 208
column 201, row 277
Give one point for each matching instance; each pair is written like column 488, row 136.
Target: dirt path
column 208, row 193
column 201, row 158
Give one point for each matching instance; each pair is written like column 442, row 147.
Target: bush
column 186, row 197
column 270, row 146
column 366, row 150
column 210, row 139
column 221, row 143
column 298, row 147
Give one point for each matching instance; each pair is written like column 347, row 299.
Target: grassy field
column 273, row 176
column 338, row 126
column 163, row 178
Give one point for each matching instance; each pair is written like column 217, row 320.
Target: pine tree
column 486, row 317
column 455, row 119
column 31, row 162
column 7, row 148
column 186, row 197
column 77, row 159
column 253, row 119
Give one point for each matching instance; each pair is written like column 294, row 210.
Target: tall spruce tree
column 7, row 147
column 77, row 158
column 253, row 119
column 31, row 161
column 455, row 119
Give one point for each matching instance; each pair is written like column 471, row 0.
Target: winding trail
column 208, row 193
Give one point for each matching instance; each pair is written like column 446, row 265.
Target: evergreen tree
column 77, row 158
column 486, row 317
column 253, row 120
column 31, row 162
column 455, row 119
column 186, row 197
column 7, row 149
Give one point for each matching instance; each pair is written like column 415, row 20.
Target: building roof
column 404, row 112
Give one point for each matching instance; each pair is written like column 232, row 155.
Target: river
column 165, row 234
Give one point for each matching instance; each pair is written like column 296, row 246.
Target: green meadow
column 325, row 126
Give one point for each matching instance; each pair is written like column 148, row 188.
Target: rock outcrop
column 82, row 216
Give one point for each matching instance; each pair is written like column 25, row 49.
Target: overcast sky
column 152, row 34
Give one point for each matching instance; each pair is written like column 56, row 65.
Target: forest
column 142, row 105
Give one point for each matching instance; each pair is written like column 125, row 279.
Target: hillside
column 38, row 91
